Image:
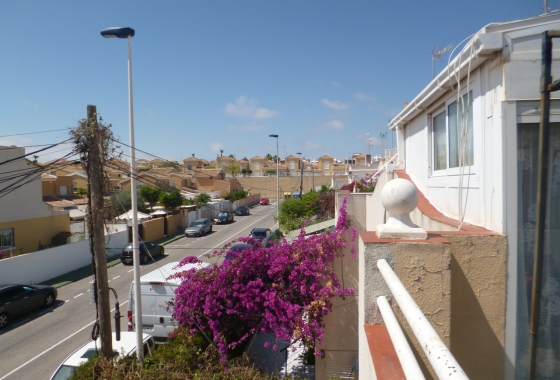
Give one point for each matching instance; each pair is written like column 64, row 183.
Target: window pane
column 6, row 238
column 440, row 138
column 461, row 132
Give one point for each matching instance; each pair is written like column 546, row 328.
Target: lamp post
column 128, row 33
column 300, row 175
column 277, row 178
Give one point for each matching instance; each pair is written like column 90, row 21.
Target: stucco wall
column 29, row 234
column 153, row 229
column 174, row 223
column 50, row 188
column 478, row 288
column 425, row 270
column 267, row 185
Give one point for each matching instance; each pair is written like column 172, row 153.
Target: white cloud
column 245, row 107
column 335, row 84
column 335, row 124
column 364, row 97
column 334, row 104
column 215, row 146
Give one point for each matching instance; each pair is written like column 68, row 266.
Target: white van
column 126, row 346
column 156, row 291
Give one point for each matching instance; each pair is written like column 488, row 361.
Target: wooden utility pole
column 301, row 178
column 97, row 235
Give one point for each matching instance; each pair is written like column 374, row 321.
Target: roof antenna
column 437, row 53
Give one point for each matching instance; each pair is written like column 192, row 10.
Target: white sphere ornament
column 399, row 196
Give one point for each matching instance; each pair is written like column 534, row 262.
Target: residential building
column 257, row 165
column 469, row 143
column 325, row 164
column 27, row 224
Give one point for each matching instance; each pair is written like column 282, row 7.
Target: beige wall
column 30, row 233
column 267, row 185
column 173, row 223
column 52, row 188
column 153, row 229
column 478, row 289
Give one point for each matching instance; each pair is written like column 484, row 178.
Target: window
column 189, row 166
column 326, row 165
column 292, row 165
column 7, row 238
column 257, row 166
column 452, row 133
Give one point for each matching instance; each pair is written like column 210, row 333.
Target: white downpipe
column 409, row 364
column 439, row 356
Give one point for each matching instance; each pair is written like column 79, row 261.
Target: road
column 33, row 346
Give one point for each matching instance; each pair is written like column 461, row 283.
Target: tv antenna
column 437, row 53
column 369, row 142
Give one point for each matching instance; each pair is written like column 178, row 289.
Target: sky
column 224, row 75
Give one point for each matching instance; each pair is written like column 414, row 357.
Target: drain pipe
column 542, row 184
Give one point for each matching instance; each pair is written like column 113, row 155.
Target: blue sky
column 211, row 75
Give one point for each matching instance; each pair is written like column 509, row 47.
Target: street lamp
column 128, row 33
column 277, row 179
column 301, row 175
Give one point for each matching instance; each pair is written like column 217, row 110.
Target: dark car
column 242, row 210
column 235, row 250
column 260, row 233
column 147, row 249
column 224, row 217
column 199, row 227
column 264, row 201
column 20, row 299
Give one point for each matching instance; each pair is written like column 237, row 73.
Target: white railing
column 439, row 356
column 384, row 166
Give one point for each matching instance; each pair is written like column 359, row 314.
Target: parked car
column 260, row 233
column 18, row 299
column 126, row 346
column 154, row 250
column 199, row 227
column 235, row 250
column 242, row 210
column 264, row 201
column 224, row 217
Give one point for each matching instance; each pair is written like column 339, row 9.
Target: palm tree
column 268, row 156
column 221, row 152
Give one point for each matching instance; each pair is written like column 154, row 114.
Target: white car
column 124, row 347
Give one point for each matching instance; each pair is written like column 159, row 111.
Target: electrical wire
column 32, row 133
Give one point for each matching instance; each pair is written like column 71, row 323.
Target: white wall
column 36, row 267
column 27, row 201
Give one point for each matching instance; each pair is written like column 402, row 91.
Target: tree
column 200, row 200
column 221, row 152
column 121, row 202
column 231, row 156
column 169, row 164
column 151, row 195
column 268, row 156
column 81, row 192
column 192, row 154
column 171, row 200
column 232, row 168
column 285, row 290
column 237, row 195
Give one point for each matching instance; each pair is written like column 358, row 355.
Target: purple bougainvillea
column 284, row 290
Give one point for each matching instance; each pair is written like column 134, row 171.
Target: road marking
column 227, row 240
column 78, row 295
column 130, row 270
column 50, row 348
column 114, row 278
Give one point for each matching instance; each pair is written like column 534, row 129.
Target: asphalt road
column 33, row 346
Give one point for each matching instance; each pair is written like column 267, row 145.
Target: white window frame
column 444, row 108
column 257, row 166
column 4, row 232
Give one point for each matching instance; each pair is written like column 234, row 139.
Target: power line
column 32, row 133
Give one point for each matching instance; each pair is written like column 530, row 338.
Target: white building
column 490, row 93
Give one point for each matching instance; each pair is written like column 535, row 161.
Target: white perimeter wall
column 36, row 267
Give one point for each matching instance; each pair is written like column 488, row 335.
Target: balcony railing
column 442, row 361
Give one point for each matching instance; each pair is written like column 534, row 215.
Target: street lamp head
column 276, row 136
column 298, row 153
column 118, row 32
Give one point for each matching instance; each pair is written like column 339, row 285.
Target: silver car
column 199, row 227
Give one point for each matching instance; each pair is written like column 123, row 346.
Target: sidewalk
column 87, row 271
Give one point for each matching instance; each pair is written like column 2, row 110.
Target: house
column 257, row 165
column 325, row 164
column 469, row 144
column 192, row 163
column 293, row 163
column 27, row 224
